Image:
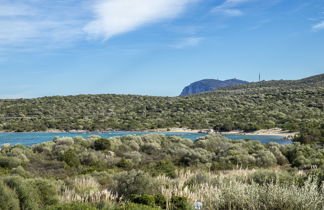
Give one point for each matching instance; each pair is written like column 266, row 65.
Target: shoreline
column 262, row 132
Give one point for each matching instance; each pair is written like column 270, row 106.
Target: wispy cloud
column 24, row 23
column 16, row 9
column 188, row 42
column 27, row 24
column 318, row 26
column 230, row 8
column 114, row 17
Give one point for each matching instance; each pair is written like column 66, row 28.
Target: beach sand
column 265, row 132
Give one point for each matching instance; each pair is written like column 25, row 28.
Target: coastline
column 262, row 132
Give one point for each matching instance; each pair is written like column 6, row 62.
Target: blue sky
column 146, row 47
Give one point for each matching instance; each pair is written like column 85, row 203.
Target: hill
column 208, row 85
column 291, row 105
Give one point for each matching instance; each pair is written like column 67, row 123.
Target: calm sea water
column 36, row 138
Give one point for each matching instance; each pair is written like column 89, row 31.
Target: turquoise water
column 36, row 138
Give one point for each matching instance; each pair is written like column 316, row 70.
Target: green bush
column 46, row 191
column 71, row 158
column 163, row 167
column 10, row 162
column 134, row 182
column 145, row 199
column 27, row 194
column 102, row 144
column 317, row 174
column 268, row 176
column 21, row 172
column 149, row 200
column 160, row 201
column 8, row 198
column 180, row 203
column 135, row 206
column 72, row 206
column 124, row 164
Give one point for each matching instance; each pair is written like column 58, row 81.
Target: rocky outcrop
column 208, row 85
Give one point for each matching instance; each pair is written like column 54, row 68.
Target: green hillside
column 290, row 105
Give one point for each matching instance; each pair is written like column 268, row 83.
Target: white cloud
column 229, row 8
column 42, row 24
column 188, row 42
column 27, row 24
column 318, row 27
column 233, row 12
column 114, row 17
column 17, row 32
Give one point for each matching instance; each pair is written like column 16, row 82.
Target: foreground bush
column 28, row 196
column 72, row 206
column 160, row 172
column 236, row 191
column 134, row 182
column 150, row 200
column 8, row 198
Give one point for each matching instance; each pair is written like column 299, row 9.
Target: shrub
column 143, row 199
column 179, row 203
column 102, row 144
column 133, row 182
column 71, row 158
column 27, row 194
column 72, row 206
column 21, row 172
column 46, row 191
column 163, row 167
column 265, row 159
column 89, row 158
column 9, row 162
column 219, row 165
column 150, row 200
column 189, row 160
column 125, row 164
column 268, row 176
column 64, row 141
column 318, row 174
column 135, row 206
column 8, row 198
column 160, row 201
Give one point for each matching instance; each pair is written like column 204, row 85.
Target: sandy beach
column 265, row 132
column 262, row 132
column 177, row 130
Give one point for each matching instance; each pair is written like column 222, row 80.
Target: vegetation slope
column 291, row 105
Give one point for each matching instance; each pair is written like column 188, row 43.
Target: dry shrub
column 233, row 191
column 87, row 190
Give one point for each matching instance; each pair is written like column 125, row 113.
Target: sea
column 32, row 138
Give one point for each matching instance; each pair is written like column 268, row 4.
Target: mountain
column 208, row 85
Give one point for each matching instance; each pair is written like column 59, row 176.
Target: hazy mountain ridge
column 316, row 81
column 209, row 85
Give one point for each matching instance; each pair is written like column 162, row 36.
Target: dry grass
column 88, row 190
column 227, row 190
column 231, row 191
